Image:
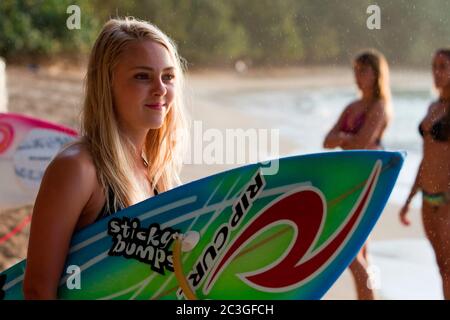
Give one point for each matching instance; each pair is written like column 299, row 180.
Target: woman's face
column 143, row 85
column 364, row 76
column 441, row 71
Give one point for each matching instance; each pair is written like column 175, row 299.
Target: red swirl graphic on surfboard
column 302, row 208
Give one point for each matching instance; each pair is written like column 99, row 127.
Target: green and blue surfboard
column 287, row 234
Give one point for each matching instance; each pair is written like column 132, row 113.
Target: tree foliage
column 220, row 32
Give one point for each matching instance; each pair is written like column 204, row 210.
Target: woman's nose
column 158, row 88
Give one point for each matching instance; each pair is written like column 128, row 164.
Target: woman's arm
column 415, row 188
column 65, row 189
column 335, row 138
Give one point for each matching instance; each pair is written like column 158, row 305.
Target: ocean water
column 305, row 115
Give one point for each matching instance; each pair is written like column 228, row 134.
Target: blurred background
column 283, row 65
column 218, row 33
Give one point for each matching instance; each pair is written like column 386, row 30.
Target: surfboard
column 248, row 233
column 27, row 145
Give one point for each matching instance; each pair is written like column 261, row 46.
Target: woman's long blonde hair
column 379, row 65
column 112, row 153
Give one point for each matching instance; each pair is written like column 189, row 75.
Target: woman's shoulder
column 433, row 106
column 431, row 111
column 69, row 182
column 353, row 105
column 74, row 162
column 350, row 108
column 381, row 107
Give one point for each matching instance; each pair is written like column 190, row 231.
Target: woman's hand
column 335, row 140
column 404, row 215
column 344, row 140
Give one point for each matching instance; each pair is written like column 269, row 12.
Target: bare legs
column 359, row 269
column 436, row 222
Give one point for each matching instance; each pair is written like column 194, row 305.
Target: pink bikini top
column 354, row 126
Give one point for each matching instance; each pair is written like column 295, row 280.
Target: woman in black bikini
column 433, row 176
column 361, row 126
column 127, row 151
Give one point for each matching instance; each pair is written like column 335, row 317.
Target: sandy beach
column 56, row 95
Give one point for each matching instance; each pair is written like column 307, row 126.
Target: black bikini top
column 105, row 212
column 440, row 131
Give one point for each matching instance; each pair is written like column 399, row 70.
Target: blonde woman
column 433, row 177
column 361, row 126
column 127, row 152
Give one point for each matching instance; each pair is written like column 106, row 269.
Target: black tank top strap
column 105, row 212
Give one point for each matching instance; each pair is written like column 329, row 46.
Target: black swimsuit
column 105, row 212
column 440, row 131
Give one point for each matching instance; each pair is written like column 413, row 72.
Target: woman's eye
column 168, row 77
column 141, row 76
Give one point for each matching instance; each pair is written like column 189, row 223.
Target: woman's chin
column 155, row 124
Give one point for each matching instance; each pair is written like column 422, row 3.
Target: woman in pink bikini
column 361, row 126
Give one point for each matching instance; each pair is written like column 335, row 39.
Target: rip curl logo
column 2, row 283
column 304, row 210
column 220, row 238
column 148, row 245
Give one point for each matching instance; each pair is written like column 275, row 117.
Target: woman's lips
column 155, row 106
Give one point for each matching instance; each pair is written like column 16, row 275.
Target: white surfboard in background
column 27, row 146
column 3, row 91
